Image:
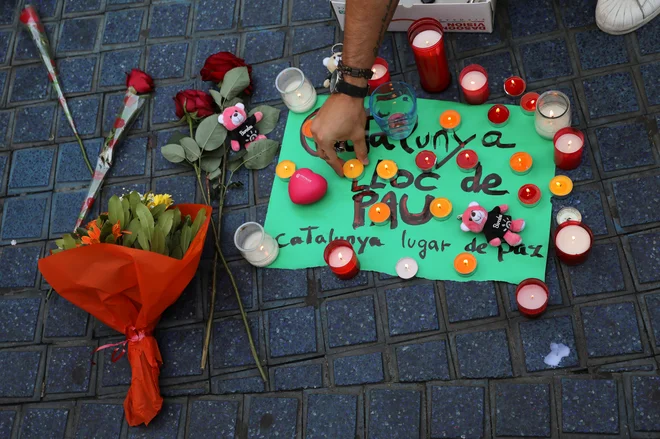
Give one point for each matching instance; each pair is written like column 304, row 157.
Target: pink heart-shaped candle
column 307, row 187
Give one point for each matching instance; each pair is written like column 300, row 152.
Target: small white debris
column 557, row 352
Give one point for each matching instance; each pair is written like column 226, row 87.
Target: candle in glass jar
column 474, row 84
column 342, row 259
column 406, row 268
column 381, row 74
column 529, row 195
column 353, row 169
column 379, row 214
column 467, row 160
column 425, row 36
column 514, row 86
column 387, row 170
column 465, row 264
column 425, row 160
column 569, row 144
column 521, row 163
column 573, row 241
column 285, row 169
column 553, row 112
column 296, row 90
column 441, row 209
column 532, row 297
column 255, row 245
column 561, row 186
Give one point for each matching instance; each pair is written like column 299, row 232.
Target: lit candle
column 381, row 74
column 573, row 241
column 425, row 36
column 379, row 214
column 285, row 169
column 498, row 115
column 514, row 86
column 441, row 209
column 474, row 84
column 450, row 120
column 255, row 245
column 342, row 259
column 532, row 297
column 521, row 163
column 467, row 160
column 406, row 268
column 569, row 144
column 529, row 195
column 465, row 264
column 307, row 128
column 553, row 112
column 528, row 103
column 387, row 170
column 561, row 186
column 426, row 160
column 568, row 214
column 353, row 169
column 296, row 90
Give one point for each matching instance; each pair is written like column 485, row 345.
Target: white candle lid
column 406, row 268
column 568, row 214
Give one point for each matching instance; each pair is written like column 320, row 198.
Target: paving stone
column 386, row 51
column 551, row 280
column 252, row 384
column 5, row 118
column 24, row 217
column 273, row 418
column 186, row 307
column 124, row 2
column 115, row 374
column 577, row 13
column 329, row 281
column 537, row 337
column 7, row 10
column 457, row 411
column 312, row 64
column 260, row 13
column 70, row 164
column 208, row 47
column 266, row 176
column 78, row 35
column 168, row 20
column 639, row 148
column 68, row 369
column 77, row 6
column 214, row 15
column 611, row 330
column 610, row 94
column 309, row 376
column 166, row 424
column 181, row 349
column 449, row 94
column 26, row 49
column 20, row 370
column 482, row 303
column 76, row 74
column 648, row 38
column 44, row 422
column 423, row 361
column 131, row 158
column 499, row 67
column 465, row 42
column 216, row 419
column 411, row 309
column 292, row 331
column 167, row 61
column 181, row 187
column 115, row 65
column 5, row 40
column 120, row 189
column 64, row 319
column 263, row 78
column 4, row 159
column 102, row 421
column 601, row 273
column 239, row 196
column 230, row 222
column 279, row 284
column 647, row 263
column 64, row 213
column 113, row 104
column 306, row 39
column 650, row 74
column 19, row 265
column 514, row 417
column 31, row 169
column 631, row 200
column 472, row 348
column 45, row 8
column 589, row 406
column 546, row 59
column 160, row 163
column 646, row 405
column 7, row 418
column 230, row 343
column 18, row 318
column 85, row 112
column 123, row 26
column 331, row 416
column 590, row 204
column 163, row 104
column 531, row 18
column 351, row 321
column 597, row 49
column 394, row 414
column 358, row 369
column 30, row 83
column 264, row 46
column 310, row 10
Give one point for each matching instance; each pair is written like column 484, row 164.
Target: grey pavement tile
column 358, row 369
column 279, row 284
column 214, row 15
column 531, row 17
column 597, row 49
column 328, row 281
column 311, row 38
column 19, row 265
column 645, row 256
column 387, row 52
column 124, row 2
column 70, row 163
column 169, row 422
column 116, row 64
column 233, row 383
column 230, row 222
column 7, row 420
column 187, row 308
column 25, row 217
column 652, row 302
column 132, row 159
column 69, row 369
column 64, row 212
column 648, row 38
column 482, row 303
column 31, row 170
column 537, row 337
column 473, row 347
column 292, row 331
column 113, row 377
column 123, row 26
column 394, row 413
column 304, row 10
column 610, row 94
column 650, row 74
column 646, row 405
column 22, row 371
column 639, row 147
column 230, row 348
column 457, row 411
column 589, row 201
column 261, row 13
column 168, row 20
column 77, row 74
column 468, row 42
column 263, row 78
column 243, row 274
column 29, row 83
column 162, row 107
column 207, row 47
column 47, row 9
column 546, row 59
column 80, row 6
column 589, row 406
column 167, row 61
column 273, row 417
column 213, row 418
column 85, row 112
column 512, row 409
column 64, row 319
column 19, row 318
column 41, row 422
column 160, row 163
column 351, row 321
column 78, row 35
column 307, row 376
column 4, row 160
column 183, row 188
column 25, row 49
column 630, row 198
column 6, row 38
column 411, row 309
column 577, row 13
column 240, row 194
column 264, row 46
column 312, row 64
column 120, row 189
column 7, row 12
column 5, row 120
column 99, row 420
column 331, row 415
column 424, row 361
column 601, row 273
column 181, row 349
column 611, row 329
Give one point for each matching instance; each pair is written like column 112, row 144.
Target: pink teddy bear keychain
column 494, row 224
column 241, row 128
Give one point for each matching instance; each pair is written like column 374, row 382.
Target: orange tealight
column 441, row 208
column 307, row 129
column 353, row 169
column 379, row 214
column 387, row 170
column 285, row 169
column 561, row 186
column 521, row 163
column 465, row 264
column 450, row 120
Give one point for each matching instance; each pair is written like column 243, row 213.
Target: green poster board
column 304, row 231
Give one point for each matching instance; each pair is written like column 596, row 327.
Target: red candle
column 342, row 259
column 569, row 144
column 573, row 241
column 467, row 160
column 381, row 74
column 426, row 160
column 532, row 297
column 528, row 103
column 498, row 115
column 474, row 83
column 514, row 86
column 529, row 195
column 426, row 38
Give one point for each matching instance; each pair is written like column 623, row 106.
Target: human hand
column 340, row 118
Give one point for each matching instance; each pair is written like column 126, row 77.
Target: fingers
column 360, row 146
column 327, row 152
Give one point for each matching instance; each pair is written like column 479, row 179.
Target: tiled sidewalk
column 372, row 357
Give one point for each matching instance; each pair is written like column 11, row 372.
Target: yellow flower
column 165, row 199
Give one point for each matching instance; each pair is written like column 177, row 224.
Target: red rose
column 29, row 14
column 140, row 81
column 217, row 65
column 191, row 101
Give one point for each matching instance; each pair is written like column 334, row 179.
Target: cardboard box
column 455, row 16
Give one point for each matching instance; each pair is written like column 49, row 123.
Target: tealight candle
column 532, row 297
column 441, row 209
column 381, row 74
column 521, row 163
column 406, row 268
column 467, row 160
column 285, row 169
column 529, row 195
column 553, row 112
column 569, row 144
column 573, row 241
column 426, row 160
column 255, row 245
column 450, row 120
column 514, row 86
column 561, row 186
column 474, row 84
column 465, row 264
column 387, row 170
column 307, row 128
column 353, row 169
column 379, row 214
column 568, row 214
column 342, row 259
column 528, row 103
column 498, row 115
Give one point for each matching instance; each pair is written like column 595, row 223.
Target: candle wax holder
column 521, row 163
column 561, row 186
column 353, row 169
column 397, row 100
column 498, row 115
column 529, row 195
column 441, row 209
column 344, row 266
column 387, row 170
column 514, row 86
column 377, row 69
column 473, row 81
column 307, row 128
column 568, row 214
column 465, row 264
column 406, row 268
column 426, row 160
column 467, row 160
column 380, row 214
column 255, row 245
column 568, row 147
column 285, row 169
column 528, row 103
column 574, row 258
column 540, row 292
column 450, row 120
column 426, row 38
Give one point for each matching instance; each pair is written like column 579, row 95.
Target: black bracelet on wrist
column 355, row 73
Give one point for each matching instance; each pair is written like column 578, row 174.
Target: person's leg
column 618, row 17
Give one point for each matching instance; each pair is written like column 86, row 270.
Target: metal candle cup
column 467, row 160
column 380, row 214
column 514, row 86
column 441, row 209
column 498, row 115
column 426, row 160
column 285, row 169
column 465, row 264
column 353, row 169
column 528, row 103
column 529, row 195
column 387, row 170
column 450, row 120
column 521, row 163
column 561, row 186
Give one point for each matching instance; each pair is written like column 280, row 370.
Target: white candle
column 473, row 81
column 573, row 240
column 551, row 117
column 568, row 143
column 297, row 92
column 379, row 71
column 426, row 38
column 531, row 297
column 406, row 268
column 340, row 256
column 266, row 249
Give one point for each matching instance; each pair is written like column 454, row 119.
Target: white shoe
column 618, row 17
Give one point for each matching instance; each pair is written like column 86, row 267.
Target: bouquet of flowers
column 125, row 268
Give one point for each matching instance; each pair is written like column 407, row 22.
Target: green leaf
column 177, row 253
column 143, row 240
column 158, row 241
column 270, row 117
column 165, row 221
column 126, row 207
column 191, row 148
column 217, row 97
column 176, row 219
column 186, row 234
column 211, row 161
column 115, row 211
column 215, row 174
column 156, row 211
column 199, row 220
column 210, row 134
column 260, row 153
column 173, row 153
column 236, row 80
column 134, row 200
column 146, row 221
column 134, row 227
column 106, row 230
column 175, row 137
column 110, row 239
column 68, row 242
column 233, row 101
